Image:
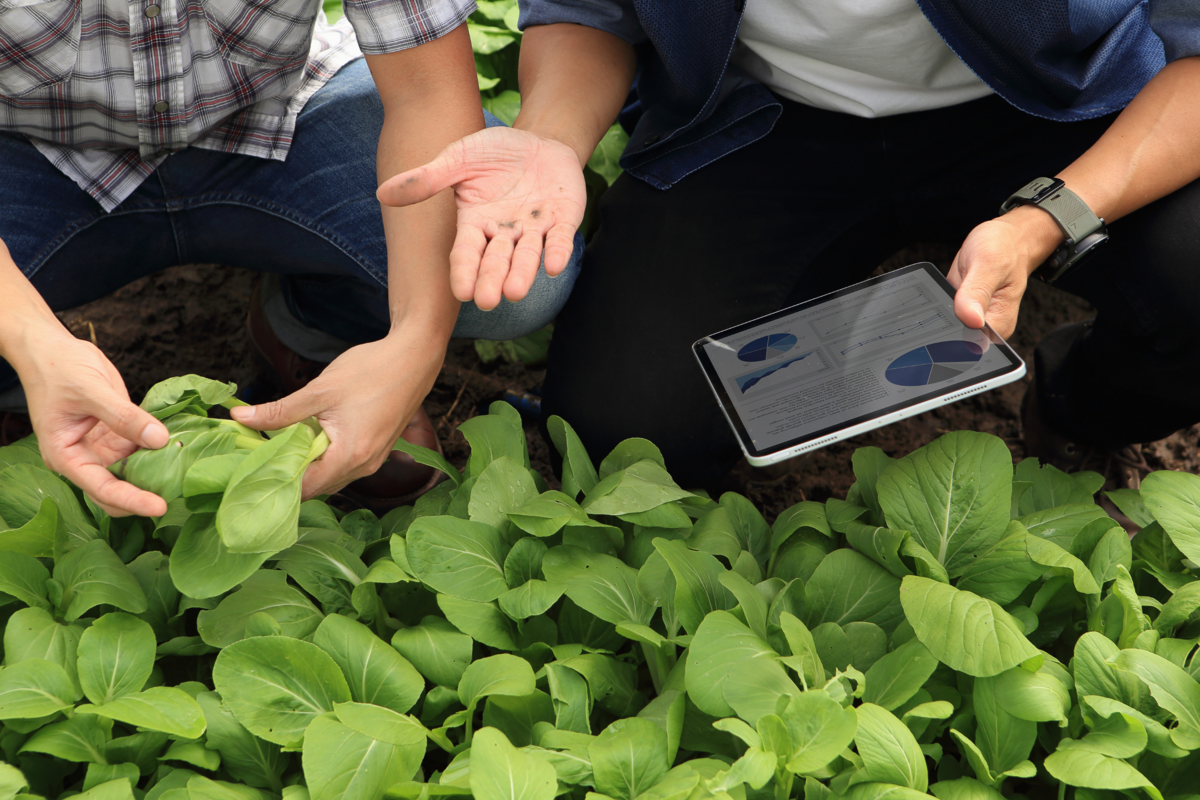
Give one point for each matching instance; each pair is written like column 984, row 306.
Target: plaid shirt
column 107, row 89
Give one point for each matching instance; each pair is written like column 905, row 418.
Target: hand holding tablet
column 851, row 361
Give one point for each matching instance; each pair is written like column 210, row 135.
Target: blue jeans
column 312, row 219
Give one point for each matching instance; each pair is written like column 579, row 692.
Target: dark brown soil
column 191, row 319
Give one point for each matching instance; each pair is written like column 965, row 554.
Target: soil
column 191, row 319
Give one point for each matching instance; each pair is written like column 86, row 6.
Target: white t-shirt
column 870, row 58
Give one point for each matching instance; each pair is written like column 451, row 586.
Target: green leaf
column 819, row 728
column 1130, row 502
column 807, row 657
column 579, row 474
column 245, row 756
column 1042, row 696
column 119, row 789
column 641, row 487
column 1174, row 689
column 516, row 717
column 34, row 688
column 723, row 650
column 889, row 751
column 1095, row 771
column 1174, row 500
column 194, row 753
column 612, row 683
column 81, row 738
column 503, row 486
column 491, row 437
column 437, row 649
column 33, row 633
column 570, row 699
column 953, row 495
column 160, row 708
column 849, row 587
column 275, row 685
column 530, row 599
column 458, row 557
column 547, row 513
column 895, row 678
column 37, row 536
column 340, row 762
column 629, row 757
column 266, row 591
column 1002, row 572
column 1178, row 608
column 430, row 458
column 498, row 675
column 698, row 588
column 881, row 545
column 963, row 630
column 24, row 578
column 1048, row 554
column 261, row 506
column 483, row 622
column 206, row 392
column 375, row 673
column 92, row 574
column 11, row 781
column 23, row 490
column 116, row 655
column 1061, row 523
column 499, row 771
column 805, row 514
column 1003, row 739
column 964, row 789
column 600, row 584
column 1119, row 736
column 163, row 471
column 752, row 531
column 202, row 566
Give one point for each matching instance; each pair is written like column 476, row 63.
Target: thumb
column 278, row 414
column 447, row 169
column 974, row 296
column 129, row 421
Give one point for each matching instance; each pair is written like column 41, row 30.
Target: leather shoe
column 400, row 480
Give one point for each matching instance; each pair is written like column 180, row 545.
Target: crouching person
column 134, row 137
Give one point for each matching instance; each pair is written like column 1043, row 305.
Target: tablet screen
column 848, row 357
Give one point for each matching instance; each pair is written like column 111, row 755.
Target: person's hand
column 363, row 400
column 994, row 263
column 517, row 194
column 84, row 421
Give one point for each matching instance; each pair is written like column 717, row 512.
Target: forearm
column 574, row 80
column 1150, row 150
column 25, row 318
column 430, row 98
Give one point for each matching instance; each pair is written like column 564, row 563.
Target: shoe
column 400, row 480
column 1124, row 466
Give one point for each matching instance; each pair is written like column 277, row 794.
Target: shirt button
column 152, row 11
column 161, row 106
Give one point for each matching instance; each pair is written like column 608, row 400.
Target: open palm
column 518, row 195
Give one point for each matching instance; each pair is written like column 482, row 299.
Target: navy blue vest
column 1061, row 59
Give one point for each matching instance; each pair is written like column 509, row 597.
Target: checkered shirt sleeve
column 385, row 26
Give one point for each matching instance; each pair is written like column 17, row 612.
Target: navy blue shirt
column 1061, row 59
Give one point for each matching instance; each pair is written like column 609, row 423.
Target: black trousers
column 816, row 205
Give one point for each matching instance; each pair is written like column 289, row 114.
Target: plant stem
column 660, row 661
column 783, row 783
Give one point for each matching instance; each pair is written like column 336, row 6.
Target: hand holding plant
column 85, row 421
column 517, row 194
column 363, row 401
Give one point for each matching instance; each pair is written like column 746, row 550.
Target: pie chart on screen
column 933, row 363
column 767, row 347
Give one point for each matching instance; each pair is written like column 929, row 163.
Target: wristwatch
column 1084, row 231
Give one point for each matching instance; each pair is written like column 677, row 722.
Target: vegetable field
column 956, row 627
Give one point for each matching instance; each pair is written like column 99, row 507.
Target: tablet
column 851, row 361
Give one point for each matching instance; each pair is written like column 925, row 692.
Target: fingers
column 989, row 294
column 493, row 270
column 526, row 259
column 560, row 243
column 446, row 170
column 115, row 496
column 128, row 421
column 469, row 246
column 277, row 414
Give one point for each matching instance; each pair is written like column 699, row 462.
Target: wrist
column 1036, row 232
column 564, row 134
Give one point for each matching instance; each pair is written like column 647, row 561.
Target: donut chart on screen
column 933, row 363
column 767, row 347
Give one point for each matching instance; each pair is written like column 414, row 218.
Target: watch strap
column 1082, row 229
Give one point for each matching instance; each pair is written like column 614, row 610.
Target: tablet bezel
column 892, row 413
